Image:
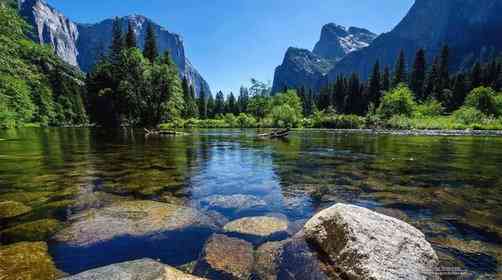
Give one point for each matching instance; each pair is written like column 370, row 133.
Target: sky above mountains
column 230, row 41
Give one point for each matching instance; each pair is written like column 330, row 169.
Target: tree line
column 351, row 95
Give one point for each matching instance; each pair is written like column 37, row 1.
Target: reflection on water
column 449, row 187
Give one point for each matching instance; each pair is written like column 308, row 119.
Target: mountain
column 80, row 44
column 337, row 41
column 302, row 67
column 469, row 27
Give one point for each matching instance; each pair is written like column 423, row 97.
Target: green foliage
column 150, row 51
column 246, row 121
column 469, row 115
column 287, row 109
column 331, row 120
column 399, row 101
column 429, row 108
column 35, row 85
column 483, row 99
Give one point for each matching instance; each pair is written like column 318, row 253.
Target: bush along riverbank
column 398, row 110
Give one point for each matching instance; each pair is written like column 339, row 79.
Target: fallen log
column 280, row 133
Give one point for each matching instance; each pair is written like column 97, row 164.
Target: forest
column 143, row 88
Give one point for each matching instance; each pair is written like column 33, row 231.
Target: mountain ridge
column 81, row 44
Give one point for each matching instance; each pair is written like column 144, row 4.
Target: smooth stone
column 27, row 261
column 143, row 269
column 225, row 258
column 131, row 230
column 40, row 230
column 10, row 209
column 367, row 245
column 257, row 229
column 232, row 204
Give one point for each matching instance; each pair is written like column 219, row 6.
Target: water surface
column 449, row 187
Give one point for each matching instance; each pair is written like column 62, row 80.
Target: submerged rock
column 10, row 209
column 142, row 269
column 366, row 245
column 225, row 258
column 40, row 230
column 233, row 204
column 267, row 258
column 27, row 261
column 258, row 229
column 131, row 230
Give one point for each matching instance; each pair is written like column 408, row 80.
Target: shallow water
column 449, row 187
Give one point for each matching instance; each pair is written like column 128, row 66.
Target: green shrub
column 430, row 108
column 246, row 121
column 469, row 115
column 338, row 121
column 399, row 101
column 286, row 116
column 483, row 99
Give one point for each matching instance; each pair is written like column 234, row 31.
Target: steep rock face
column 305, row 68
column 467, row 26
column 300, row 68
column 52, row 27
column 81, row 44
column 337, row 41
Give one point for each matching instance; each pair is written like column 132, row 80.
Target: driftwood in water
column 277, row 133
column 149, row 132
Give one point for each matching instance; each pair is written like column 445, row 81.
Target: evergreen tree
column 310, row 106
column 232, row 104
column 476, row 75
column 433, row 77
column 219, row 105
column 210, row 106
column 386, row 79
column 375, row 84
column 117, row 41
column 190, row 110
column 202, row 104
column 150, row 52
column 243, row 100
column 400, row 74
column 340, row 94
column 130, row 37
column 444, row 74
column 324, row 99
column 418, row 75
column 460, row 91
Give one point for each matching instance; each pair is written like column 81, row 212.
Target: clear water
column 449, row 187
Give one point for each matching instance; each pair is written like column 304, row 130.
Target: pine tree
column 130, row 37
column 431, row 89
column 194, row 109
column 117, row 41
column 310, row 103
column 400, row 74
column 190, row 110
column 386, row 79
column 418, row 75
column 444, row 74
column 150, row 50
column 243, row 99
column 231, row 104
column 202, row 104
column 210, row 106
column 219, row 105
column 460, row 91
column 375, row 84
column 476, row 75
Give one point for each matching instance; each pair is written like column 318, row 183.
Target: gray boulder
column 366, row 245
column 143, row 269
column 238, row 204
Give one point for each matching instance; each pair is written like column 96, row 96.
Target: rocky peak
column 337, row 41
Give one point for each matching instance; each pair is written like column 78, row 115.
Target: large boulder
column 131, row 230
column 143, row 269
column 363, row 244
column 27, row 261
column 225, row 258
column 258, row 229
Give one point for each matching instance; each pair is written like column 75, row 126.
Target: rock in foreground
column 27, row 261
column 144, row 269
column 366, row 245
column 10, row 209
column 258, row 229
column 225, row 258
column 132, row 230
column 233, row 204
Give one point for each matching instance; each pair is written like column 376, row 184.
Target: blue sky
column 230, row 41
